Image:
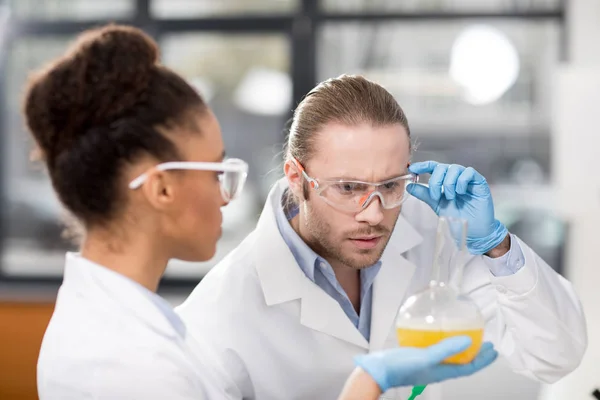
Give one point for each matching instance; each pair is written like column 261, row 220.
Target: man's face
column 362, row 153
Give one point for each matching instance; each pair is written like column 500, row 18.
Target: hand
column 410, row 366
column 459, row 192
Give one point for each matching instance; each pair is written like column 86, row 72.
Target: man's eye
column 349, row 187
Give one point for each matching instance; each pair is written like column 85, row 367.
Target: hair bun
column 102, row 77
column 116, row 64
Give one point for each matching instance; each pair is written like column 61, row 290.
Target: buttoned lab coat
column 282, row 337
column 108, row 340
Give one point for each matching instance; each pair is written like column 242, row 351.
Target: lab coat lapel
column 280, row 276
column 282, row 280
column 392, row 282
column 322, row 313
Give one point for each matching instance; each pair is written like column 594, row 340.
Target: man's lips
column 366, row 242
column 366, row 237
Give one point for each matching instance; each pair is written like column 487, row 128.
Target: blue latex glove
column 411, row 366
column 465, row 195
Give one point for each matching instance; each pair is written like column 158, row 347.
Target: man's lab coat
column 280, row 336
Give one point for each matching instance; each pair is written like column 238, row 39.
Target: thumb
column 421, row 192
column 448, row 347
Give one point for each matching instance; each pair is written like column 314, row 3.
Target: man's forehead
column 364, row 152
column 362, row 138
column 357, row 169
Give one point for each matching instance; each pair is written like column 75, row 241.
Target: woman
column 137, row 157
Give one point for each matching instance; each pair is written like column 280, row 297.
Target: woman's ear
column 159, row 189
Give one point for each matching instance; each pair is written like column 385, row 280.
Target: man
column 340, row 244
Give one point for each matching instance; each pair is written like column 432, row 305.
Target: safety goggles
column 233, row 173
column 354, row 196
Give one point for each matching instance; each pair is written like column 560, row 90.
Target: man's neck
column 347, row 277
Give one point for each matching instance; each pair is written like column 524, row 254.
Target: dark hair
column 101, row 105
column 347, row 99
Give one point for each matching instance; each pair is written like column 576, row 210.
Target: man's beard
column 331, row 248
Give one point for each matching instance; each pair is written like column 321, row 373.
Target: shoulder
column 136, row 375
column 88, row 326
column 112, row 367
column 232, row 282
column 239, row 262
column 235, row 271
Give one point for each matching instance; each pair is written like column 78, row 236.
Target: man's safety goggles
column 232, row 177
column 354, row 196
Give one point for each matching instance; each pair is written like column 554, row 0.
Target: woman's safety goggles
column 354, row 196
column 233, row 173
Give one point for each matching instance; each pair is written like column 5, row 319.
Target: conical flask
column 440, row 311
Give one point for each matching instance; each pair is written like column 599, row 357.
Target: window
column 32, row 215
column 253, row 60
column 245, row 79
column 206, row 8
column 413, row 60
column 421, row 6
column 72, row 9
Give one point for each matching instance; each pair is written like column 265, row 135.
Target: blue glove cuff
column 481, row 246
column 373, row 366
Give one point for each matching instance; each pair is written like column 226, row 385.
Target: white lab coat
column 282, row 337
column 107, row 339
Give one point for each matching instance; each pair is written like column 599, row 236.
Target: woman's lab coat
column 109, row 339
column 282, row 337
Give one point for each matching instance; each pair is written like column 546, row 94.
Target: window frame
column 301, row 27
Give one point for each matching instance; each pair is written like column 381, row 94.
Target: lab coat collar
column 279, row 275
column 112, row 289
column 282, row 280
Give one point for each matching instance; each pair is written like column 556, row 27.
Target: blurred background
column 483, row 83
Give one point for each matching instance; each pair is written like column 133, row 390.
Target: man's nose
column 373, row 212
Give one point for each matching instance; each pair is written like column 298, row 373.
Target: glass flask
column 440, row 311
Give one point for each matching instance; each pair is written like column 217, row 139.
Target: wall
column 575, row 145
column 22, row 327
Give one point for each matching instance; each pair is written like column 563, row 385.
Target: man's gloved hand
column 465, row 195
column 410, row 366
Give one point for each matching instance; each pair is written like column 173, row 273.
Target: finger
column 437, row 180
column 450, row 179
column 447, row 348
column 425, row 167
column 487, row 355
column 467, row 177
column 421, row 192
column 484, row 358
column 486, row 346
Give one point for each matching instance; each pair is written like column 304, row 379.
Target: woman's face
column 193, row 221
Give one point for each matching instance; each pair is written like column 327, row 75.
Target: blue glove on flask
column 410, row 366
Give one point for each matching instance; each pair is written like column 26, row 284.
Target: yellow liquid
column 425, row 338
